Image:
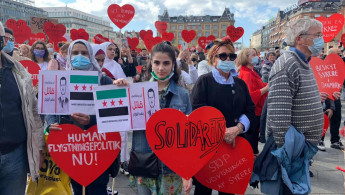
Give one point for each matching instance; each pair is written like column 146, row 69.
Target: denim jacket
column 180, row 101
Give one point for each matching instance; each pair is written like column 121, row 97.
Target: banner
column 36, row 24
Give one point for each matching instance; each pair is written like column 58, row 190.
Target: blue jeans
column 13, row 171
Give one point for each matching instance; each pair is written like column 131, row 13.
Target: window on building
column 223, row 26
column 215, row 33
column 207, row 27
column 223, row 34
column 199, row 34
column 180, row 27
column 194, row 27
column 207, row 34
column 193, row 42
column 215, row 26
column 179, row 34
column 188, row 27
column 306, row 17
column 173, row 27
column 328, row 15
column 317, row 15
column 200, row 27
column 67, row 31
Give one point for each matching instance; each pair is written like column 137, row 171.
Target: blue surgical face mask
column 9, row 47
column 226, row 65
column 316, row 48
column 255, row 60
column 80, row 62
column 50, row 50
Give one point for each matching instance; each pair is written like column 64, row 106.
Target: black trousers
column 335, row 122
column 203, row 190
column 253, row 138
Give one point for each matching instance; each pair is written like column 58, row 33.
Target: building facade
column 266, row 32
column 256, row 40
column 19, row 10
column 203, row 25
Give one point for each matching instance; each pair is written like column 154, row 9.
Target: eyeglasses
column 9, row 38
column 224, row 56
column 316, row 35
column 39, row 48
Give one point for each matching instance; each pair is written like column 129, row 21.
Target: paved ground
column 327, row 179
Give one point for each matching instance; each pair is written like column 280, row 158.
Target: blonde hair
column 242, row 58
column 217, row 44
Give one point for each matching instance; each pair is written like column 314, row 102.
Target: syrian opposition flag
column 112, row 109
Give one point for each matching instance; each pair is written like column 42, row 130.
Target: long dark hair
column 165, row 47
column 46, row 56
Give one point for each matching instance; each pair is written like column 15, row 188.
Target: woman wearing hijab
column 79, row 57
column 114, row 68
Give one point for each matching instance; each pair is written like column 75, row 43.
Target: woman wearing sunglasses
column 221, row 89
column 246, row 60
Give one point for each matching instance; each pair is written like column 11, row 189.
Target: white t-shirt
column 44, row 66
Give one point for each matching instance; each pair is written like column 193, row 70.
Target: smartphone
column 184, row 46
column 125, row 44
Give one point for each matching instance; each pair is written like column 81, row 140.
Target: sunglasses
column 224, row 56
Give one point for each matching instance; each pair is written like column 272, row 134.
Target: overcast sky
column 250, row 14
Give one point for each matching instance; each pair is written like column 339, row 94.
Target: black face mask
column 2, row 42
column 193, row 59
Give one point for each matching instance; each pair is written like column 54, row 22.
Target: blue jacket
column 180, row 101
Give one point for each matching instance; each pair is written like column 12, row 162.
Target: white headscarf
column 111, row 65
column 96, row 48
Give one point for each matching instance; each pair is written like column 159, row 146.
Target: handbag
column 145, row 164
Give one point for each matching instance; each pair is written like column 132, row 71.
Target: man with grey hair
column 293, row 100
column 21, row 132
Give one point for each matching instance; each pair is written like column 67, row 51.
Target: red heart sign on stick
column 168, row 36
column 143, row 33
column 21, row 31
column 121, row 16
column 36, row 37
column 54, row 32
column 151, row 41
column 203, row 41
column 325, row 124
column 83, row 155
column 188, row 36
column 79, row 34
column 161, row 26
column 98, row 39
column 185, row 144
column 235, row 33
column 331, row 26
column 33, row 68
column 133, row 42
column 230, row 168
column 329, row 74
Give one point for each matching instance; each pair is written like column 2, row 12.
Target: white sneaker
column 321, row 146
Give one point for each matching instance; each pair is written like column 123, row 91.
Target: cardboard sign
column 66, row 92
column 133, row 42
column 54, row 32
column 329, row 74
column 21, row 31
column 36, row 37
column 168, row 36
column 36, row 24
column 33, row 68
column 204, row 41
column 98, row 39
column 125, row 108
column 331, row 26
column 121, row 16
column 83, row 155
column 325, row 124
column 235, row 33
column 143, row 33
column 161, row 26
column 150, row 41
column 188, row 36
column 230, row 168
column 79, row 34
column 186, row 144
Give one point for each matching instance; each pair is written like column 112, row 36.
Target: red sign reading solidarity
column 54, row 32
column 151, row 41
column 133, row 42
column 161, row 26
column 98, row 39
column 230, row 168
column 33, row 68
column 143, row 33
column 36, row 37
column 121, row 16
column 185, row 144
column 331, row 26
column 188, row 36
column 325, row 124
column 83, row 155
column 235, row 33
column 21, row 31
column 329, row 74
column 203, row 41
column 168, row 36
column 79, row 34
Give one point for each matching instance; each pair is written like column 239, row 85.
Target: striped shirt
column 293, row 99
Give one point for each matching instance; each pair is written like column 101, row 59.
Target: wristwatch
column 240, row 127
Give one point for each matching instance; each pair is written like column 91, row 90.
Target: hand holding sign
column 20, row 29
column 185, row 144
column 331, row 26
column 83, row 155
column 235, row 33
column 121, row 16
column 329, row 74
column 188, row 36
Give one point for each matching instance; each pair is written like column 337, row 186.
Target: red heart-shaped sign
column 121, row 16
column 33, row 68
column 168, row 36
column 98, row 39
column 151, row 41
column 79, row 34
column 230, row 168
column 143, row 33
column 188, row 36
column 203, row 41
column 161, row 26
column 21, row 31
column 54, row 32
column 83, row 155
column 185, row 144
column 329, row 74
column 36, row 37
column 325, row 124
column 235, row 33
column 133, row 42
column 331, row 26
